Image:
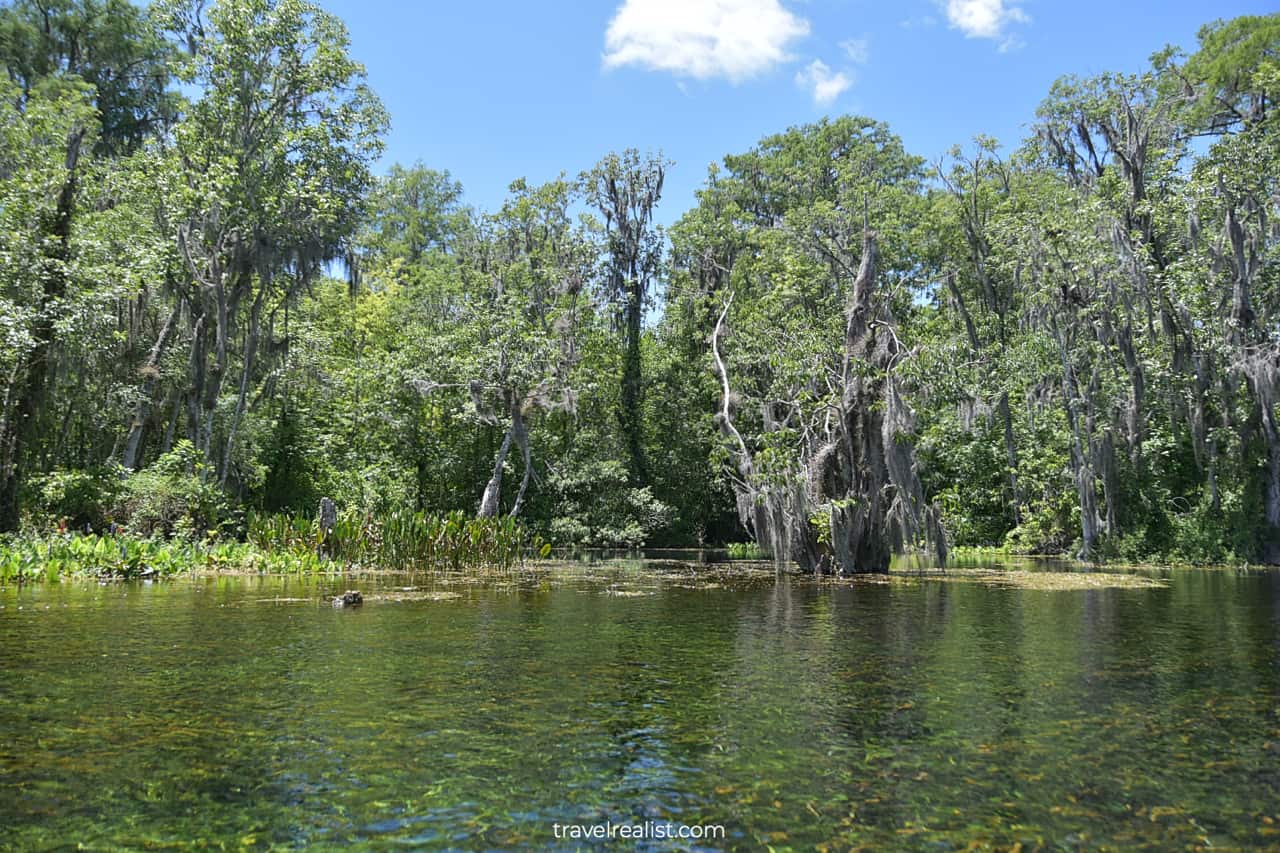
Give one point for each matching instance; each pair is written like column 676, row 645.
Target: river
column 916, row 713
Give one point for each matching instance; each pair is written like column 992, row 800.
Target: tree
column 266, row 183
column 626, row 189
column 414, row 211
column 526, row 272
column 1235, row 78
column 112, row 45
column 44, row 139
column 824, row 468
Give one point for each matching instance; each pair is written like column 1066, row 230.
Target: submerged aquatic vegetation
column 860, row 715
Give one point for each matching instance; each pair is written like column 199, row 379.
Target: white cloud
column 735, row 39
column 823, row 84
column 987, row 19
column 858, row 50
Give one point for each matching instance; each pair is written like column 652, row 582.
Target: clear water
column 908, row 715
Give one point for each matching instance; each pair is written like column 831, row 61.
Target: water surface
column 918, row 714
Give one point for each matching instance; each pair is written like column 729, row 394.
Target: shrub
column 174, row 497
column 75, row 499
column 596, row 507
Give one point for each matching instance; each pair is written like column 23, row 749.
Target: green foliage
column 681, row 442
column 294, row 480
column 1087, row 325
column 399, row 540
column 174, row 497
column 112, row 45
column 279, row 544
column 1236, row 67
column 75, row 499
column 416, row 211
column 596, row 506
column 745, row 551
column 117, row 556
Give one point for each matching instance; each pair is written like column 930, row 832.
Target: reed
column 401, row 539
column 282, row 544
column 745, row 551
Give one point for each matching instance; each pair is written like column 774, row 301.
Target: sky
column 494, row 90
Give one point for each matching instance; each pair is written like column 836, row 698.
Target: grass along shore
column 277, row 544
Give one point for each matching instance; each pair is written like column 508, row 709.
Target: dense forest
column 213, row 305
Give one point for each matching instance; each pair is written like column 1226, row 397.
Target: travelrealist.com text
column 647, row 831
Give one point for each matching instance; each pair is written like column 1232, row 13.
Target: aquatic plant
column 745, row 551
column 281, row 544
column 50, row 557
column 401, row 538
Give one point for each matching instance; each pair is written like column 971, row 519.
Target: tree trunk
column 1261, row 380
column 869, row 474
column 250, row 355
column 1011, row 455
column 1081, row 459
column 630, row 414
column 492, row 497
column 522, row 441
column 196, row 373
column 1271, row 537
column 865, row 469
column 150, row 373
column 213, row 384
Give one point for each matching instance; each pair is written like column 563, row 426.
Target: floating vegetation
column 415, row 595
column 1023, row 579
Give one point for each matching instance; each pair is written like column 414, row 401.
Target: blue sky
column 493, row 90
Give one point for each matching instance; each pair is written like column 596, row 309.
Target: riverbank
column 276, row 545
column 55, row 558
